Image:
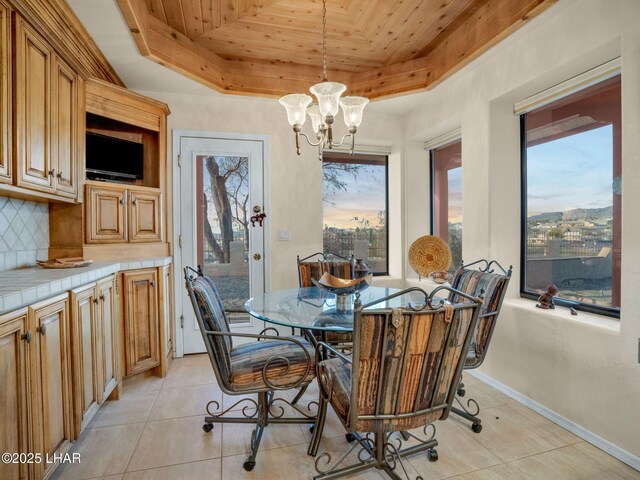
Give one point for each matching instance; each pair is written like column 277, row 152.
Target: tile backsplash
column 24, row 233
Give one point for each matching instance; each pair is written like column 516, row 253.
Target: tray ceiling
column 378, row 48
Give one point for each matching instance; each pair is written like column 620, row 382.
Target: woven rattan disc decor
column 429, row 254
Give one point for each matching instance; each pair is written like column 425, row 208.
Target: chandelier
column 323, row 113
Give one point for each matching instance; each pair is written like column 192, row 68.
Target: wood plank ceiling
column 378, row 48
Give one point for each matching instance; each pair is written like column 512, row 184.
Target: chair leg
column 300, row 394
column 319, row 426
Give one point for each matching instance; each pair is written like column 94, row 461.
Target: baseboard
column 613, row 450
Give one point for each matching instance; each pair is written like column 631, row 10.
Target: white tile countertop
column 26, row 286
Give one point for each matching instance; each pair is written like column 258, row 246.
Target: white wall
column 295, row 182
column 584, row 368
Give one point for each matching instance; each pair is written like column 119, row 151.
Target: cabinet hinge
column 180, row 160
column 180, row 241
column 181, row 321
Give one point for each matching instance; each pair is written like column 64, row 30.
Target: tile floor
column 154, row 432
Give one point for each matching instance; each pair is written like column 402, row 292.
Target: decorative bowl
column 439, row 276
column 340, row 286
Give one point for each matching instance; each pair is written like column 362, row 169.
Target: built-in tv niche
column 117, row 152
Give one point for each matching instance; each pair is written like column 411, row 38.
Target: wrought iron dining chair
column 270, row 364
column 403, row 374
column 493, row 285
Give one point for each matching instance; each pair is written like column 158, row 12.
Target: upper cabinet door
column 106, row 215
column 64, row 128
column 33, row 108
column 145, row 216
column 5, row 94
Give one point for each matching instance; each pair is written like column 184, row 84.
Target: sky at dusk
column 571, row 172
column 454, row 177
column 364, row 198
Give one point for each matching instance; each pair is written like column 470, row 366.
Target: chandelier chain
column 324, row 40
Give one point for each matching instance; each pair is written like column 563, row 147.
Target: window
column 571, row 178
column 354, row 192
column 446, row 197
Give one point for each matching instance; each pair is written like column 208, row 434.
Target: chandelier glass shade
column 322, row 114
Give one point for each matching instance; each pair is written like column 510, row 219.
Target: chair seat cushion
column 282, row 362
column 338, row 382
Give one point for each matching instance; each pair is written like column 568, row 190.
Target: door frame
column 178, row 277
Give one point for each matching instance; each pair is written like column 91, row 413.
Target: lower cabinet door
column 86, row 341
column 108, row 319
column 51, row 385
column 13, row 394
column 145, row 216
column 142, row 343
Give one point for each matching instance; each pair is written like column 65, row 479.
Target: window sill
column 563, row 313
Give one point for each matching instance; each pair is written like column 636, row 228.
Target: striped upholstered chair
column 493, row 285
column 403, row 374
column 312, row 268
column 262, row 367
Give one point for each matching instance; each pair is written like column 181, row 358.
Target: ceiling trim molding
column 477, row 27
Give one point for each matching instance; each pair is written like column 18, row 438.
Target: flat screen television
column 110, row 158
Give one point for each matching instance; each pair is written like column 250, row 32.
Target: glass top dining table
column 315, row 309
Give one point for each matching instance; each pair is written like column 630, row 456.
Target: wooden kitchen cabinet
column 108, row 321
column 86, row 341
column 106, row 210
column 14, row 394
column 166, row 318
column 33, row 108
column 65, row 137
column 51, row 402
column 5, row 94
column 145, row 216
column 142, row 346
column 47, row 116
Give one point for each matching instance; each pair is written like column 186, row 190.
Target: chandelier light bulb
column 296, row 106
column 328, row 95
column 352, row 108
column 316, row 117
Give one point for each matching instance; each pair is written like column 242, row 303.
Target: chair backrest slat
column 312, row 269
column 494, row 286
column 406, row 364
column 211, row 316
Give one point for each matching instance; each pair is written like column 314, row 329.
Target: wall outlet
column 284, row 235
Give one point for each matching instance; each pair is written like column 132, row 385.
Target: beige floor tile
column 459, row 452
column 621, row 469
column 293, row 463
column 499, row 472
column 510, row 435
column 190, row 370
column 110, row 477
column 178, row 440
column 103, row 451
column 141, row 384
column 184, row 401
column 561, row 464
column 207, row 470
column 131, row 408
column 236, row 437
column 553, row 428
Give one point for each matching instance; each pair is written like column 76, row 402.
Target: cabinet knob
column 26, row 337
column 42, row 329
column 59, row 175
column 134, row 201
column 52, row 172
column 102, row 297
column 122, row 201
column 95, row 300
column 153, row 283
